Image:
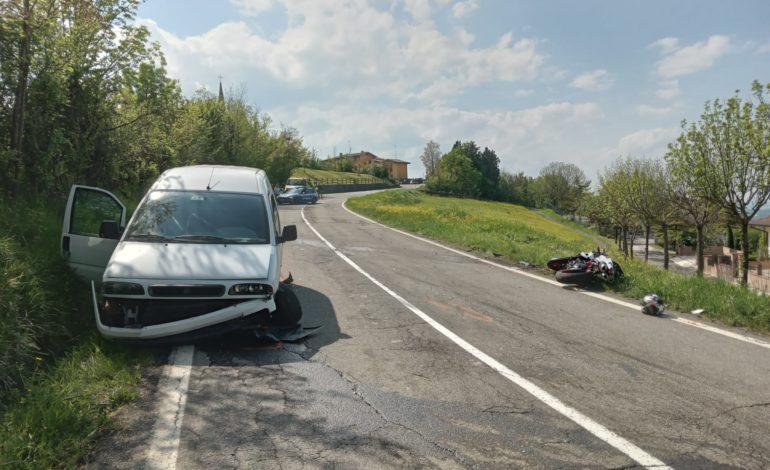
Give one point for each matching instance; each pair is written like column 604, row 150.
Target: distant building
column 396, row 168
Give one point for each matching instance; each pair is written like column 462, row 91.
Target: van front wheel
column 288, row 311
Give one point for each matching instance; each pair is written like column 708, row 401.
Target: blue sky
column 537, row 81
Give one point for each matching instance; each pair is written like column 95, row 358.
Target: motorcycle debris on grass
column 586, row 267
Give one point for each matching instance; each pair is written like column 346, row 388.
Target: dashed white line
column 623, row 445
column 606, row 298
column 172, row 395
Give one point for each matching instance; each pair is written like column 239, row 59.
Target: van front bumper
column 162, row 330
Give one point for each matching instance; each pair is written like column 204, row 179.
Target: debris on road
column 698, row 311
column 288, row 335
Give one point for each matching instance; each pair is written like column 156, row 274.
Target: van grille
column 189, row 290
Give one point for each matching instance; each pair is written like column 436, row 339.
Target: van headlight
column 251, row 289
column 122, row 288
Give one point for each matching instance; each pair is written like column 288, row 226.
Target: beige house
column 396, row 168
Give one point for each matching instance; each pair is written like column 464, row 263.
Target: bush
column 455, row 175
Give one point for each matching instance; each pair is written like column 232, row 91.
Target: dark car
column 298, row 196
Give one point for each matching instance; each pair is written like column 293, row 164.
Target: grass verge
column 59, row 381
column 516, row 233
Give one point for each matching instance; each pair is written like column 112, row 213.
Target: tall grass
column 516, row 233
column 58, row 380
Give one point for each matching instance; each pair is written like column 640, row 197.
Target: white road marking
column 606, row 298
column 598, row 430
column 172, row 395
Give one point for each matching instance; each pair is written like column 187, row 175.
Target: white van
column 201, row 254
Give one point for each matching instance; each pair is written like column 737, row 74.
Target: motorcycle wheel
column 567, row 276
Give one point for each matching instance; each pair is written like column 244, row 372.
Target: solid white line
column 172, row 395
column 606, row 298
column 598, row 430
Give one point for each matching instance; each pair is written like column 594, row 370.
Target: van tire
column 288, row 311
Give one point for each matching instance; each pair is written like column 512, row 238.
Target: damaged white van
column 201, row 255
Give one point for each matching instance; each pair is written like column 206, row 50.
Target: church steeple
column 221, row 93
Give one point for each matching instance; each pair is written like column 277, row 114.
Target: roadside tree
column 430, row 157
column 731, row 159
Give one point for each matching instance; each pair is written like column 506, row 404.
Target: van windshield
column 200, row 217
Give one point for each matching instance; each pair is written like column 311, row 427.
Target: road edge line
column 603, row 433
column 163, row 450
column 606, row 298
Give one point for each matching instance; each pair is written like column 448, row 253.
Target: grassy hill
column 513, row 233
column 330, row 176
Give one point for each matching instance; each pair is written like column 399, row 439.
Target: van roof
column 237, row 179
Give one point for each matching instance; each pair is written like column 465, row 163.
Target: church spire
column 221, row 93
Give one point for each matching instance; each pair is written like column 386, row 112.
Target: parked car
column 298, row 196
column 295, row 183
column 201, row 254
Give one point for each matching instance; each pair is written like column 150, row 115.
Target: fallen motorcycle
column 586, row 267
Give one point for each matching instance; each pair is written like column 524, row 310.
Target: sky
column 581, row 82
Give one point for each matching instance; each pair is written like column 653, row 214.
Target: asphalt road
column 378, row 386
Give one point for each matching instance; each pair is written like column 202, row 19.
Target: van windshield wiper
column 149, row 237
column 204, row 238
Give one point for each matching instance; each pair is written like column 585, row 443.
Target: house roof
column 763, row 222
column 394, row 160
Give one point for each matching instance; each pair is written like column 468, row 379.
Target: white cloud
column 702, row 55
column 595, row 80
column 460, row 9
column 521, row 138
column 252, row 7
column 668, row 89
column 666, row 45
column 656, row 111
column 650, row 143
column 358, row 48
column 764, row 48
column 419, row 9
column 523, row 92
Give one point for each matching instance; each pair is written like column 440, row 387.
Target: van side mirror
column 109, row 229
column 288, row 234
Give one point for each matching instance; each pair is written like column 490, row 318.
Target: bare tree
column 430, row 157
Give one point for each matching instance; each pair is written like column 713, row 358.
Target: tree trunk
column 625, row 241
column 700, row 248
column 730, row 237
column 665, row 245
column 745, row 246
column 617, row 237
column 646, row 242
column 20, row 96
column 632, row 237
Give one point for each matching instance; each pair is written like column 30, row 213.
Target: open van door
column 93, row 222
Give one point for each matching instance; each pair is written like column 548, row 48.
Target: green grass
column 515, row 233
column 315, row 174
column 58, row 380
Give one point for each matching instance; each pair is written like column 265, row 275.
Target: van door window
column 90, row 209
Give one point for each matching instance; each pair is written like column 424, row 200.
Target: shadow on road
column 318, row 311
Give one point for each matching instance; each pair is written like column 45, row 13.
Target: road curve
column 380, row 387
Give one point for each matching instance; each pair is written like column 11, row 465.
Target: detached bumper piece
column 138, row 313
